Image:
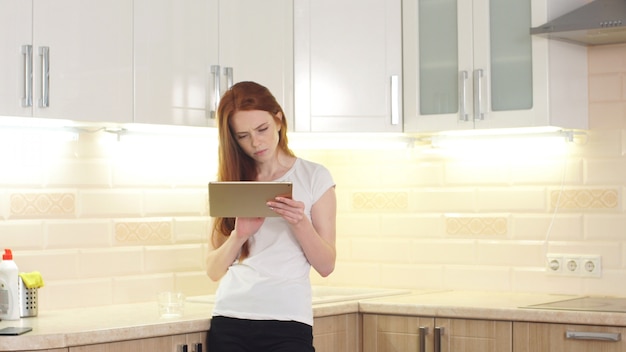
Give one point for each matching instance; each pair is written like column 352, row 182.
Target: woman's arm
column 223, row 256
column 316, row 237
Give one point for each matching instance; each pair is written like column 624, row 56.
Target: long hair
column 234, row 164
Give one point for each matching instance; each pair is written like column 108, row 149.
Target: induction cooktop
column 592, row 304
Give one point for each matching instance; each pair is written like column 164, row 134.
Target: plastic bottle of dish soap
column 9, row 304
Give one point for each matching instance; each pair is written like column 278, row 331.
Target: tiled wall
column 105, row 221
column 108, row 221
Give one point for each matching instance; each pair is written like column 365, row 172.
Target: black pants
column 241, row 335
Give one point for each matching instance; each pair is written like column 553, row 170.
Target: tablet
column 245, row 198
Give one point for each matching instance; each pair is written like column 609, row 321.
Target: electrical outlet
column 591, row 265
column 571, row 265
column 581, row 265
column 554, row 264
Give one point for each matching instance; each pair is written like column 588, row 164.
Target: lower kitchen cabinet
column 171, row 343
column 532, row 337
column 390, row 333
column 337, row 333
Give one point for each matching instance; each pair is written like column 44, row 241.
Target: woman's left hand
column 317, row 235
column 289, row 209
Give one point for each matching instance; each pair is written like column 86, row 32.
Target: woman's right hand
column 246, row 227
column 221, row 257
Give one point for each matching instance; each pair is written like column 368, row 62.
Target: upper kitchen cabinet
column 348, row 65
column 15, row 37
column 188, row 52
column 66, row 59
column 256, row 44
column 474, row 65
column 175, row 44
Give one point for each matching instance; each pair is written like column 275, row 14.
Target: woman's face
column 256, row 131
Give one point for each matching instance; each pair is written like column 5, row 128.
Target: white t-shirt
column 273, row 282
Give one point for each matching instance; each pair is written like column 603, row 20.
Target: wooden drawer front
column 537, row 337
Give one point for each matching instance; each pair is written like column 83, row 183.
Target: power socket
column 591, row 266
column 554, row 264
column 580, row 265
column 571, row 265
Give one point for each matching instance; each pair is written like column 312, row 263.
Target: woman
column 263, row 302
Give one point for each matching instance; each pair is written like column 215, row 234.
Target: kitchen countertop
column 74, row 327
column 488, row 305
column 83, row 326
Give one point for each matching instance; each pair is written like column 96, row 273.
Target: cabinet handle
column 395, row 100
column 478, row 97
column 27, row 52
column 228, row 72
column 423, row 331
column 438, row 333
column 215, row 70
column 599, row 336
column 44, row 101
column 463, row 115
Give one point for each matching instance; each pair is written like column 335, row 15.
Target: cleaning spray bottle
column 9, row 304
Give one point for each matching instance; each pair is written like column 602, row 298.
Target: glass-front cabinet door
column 443, row 53
column 502, row 79
column 469, row 60
column 474, row 64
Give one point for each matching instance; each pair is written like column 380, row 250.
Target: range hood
column 596, row 23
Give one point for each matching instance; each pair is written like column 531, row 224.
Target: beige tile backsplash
column 109, row 221
column 476, row 226
column 588, row 199
column 42, row 205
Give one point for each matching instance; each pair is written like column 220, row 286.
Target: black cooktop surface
column 592, row 304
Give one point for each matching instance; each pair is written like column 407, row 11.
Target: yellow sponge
column 32, row 279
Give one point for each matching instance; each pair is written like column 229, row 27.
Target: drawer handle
column 478, row 99
column 438, row 333
column 423, row 331
column 27, row 52
column 44, row 100
column 228, row 72
column 215, row 70
column 597, row 336
column 463, row 115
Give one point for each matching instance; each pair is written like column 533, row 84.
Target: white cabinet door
column 188, row 52
column 347, row 61
column 474, row 65
column 81, row 59
column 15, row 32
column 175, row 44
column 90, row 59
column 256, row 42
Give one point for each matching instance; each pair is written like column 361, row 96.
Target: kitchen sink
column 327, row 294
column 589, row 303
